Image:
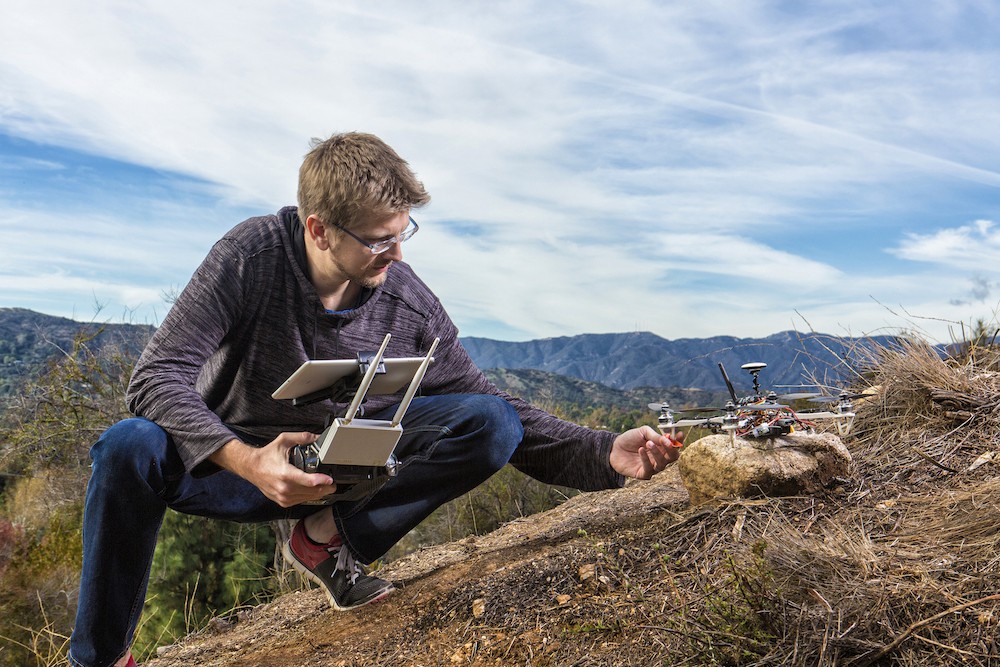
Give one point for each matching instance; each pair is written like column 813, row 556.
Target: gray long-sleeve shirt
column 250, row 317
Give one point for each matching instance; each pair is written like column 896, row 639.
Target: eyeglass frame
column 404, row 235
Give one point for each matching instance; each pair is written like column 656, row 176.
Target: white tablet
column 315, row 375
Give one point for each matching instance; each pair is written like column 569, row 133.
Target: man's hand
column 642, row 452
column 268, row 469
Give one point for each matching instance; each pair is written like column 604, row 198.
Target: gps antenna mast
column 414, row 383
column 366, row 382
column 729, row 385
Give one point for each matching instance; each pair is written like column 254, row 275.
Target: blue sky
column 687, row 168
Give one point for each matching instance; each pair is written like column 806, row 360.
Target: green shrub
column 38, row 586
column 203, row 568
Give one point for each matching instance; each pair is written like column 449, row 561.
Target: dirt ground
column 509, row 597
column 896, row 564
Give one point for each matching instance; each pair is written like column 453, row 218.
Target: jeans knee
column 130, row 440
column 500, row 429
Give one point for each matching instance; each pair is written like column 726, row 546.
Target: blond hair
column 354, row 175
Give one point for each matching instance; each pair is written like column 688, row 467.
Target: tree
column 203, row 568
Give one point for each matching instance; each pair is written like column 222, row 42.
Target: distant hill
column 623, row 361
column 630, row 360
column 29, row 339
column 551, row 390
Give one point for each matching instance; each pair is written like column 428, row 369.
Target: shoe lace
column 346, row 563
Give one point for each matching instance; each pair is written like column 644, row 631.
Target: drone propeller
column 751, row 407
column 835, row 399
column 760, row 407
column 799, row 396
column 657, row 407
column 823, row 414
column 707, row 421
column 826, row 414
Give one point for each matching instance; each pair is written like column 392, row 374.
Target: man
column 322, row 281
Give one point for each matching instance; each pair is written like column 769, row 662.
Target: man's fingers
column 660, row 453
column 315, row 488
column 289, row 440
column 656, row 456
column 319, row 479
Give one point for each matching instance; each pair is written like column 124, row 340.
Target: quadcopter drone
column 759, row 415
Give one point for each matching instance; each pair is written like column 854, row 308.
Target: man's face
column 355, row 260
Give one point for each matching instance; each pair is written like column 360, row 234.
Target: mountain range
column 641, row 359
column 623, row 361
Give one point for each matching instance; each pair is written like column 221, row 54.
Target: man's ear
column 316, row 232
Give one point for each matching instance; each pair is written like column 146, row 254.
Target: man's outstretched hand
column 642, row 452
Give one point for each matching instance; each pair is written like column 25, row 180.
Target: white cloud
column 973, row 247
column 64, row 264
column 654, row 158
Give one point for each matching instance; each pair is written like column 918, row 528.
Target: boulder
column 789, row 465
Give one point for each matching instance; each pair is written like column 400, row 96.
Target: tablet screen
column 316, row 375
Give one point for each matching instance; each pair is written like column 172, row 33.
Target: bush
column 45, row 434
column 52, row 421
column 202, row 568
column 38, row 586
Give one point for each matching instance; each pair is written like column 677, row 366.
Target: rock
column 784, row 466
column 478, row 607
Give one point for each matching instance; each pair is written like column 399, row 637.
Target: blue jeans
column 450, row 445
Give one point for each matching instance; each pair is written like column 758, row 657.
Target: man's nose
column 395, row 252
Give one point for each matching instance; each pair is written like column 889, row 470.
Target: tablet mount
column 345, row 388
column 356, row 452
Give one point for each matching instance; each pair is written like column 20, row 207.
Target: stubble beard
column 362, row 278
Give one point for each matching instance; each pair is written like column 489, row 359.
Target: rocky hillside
column 897, row 564
column 551, row 589
column 28, row 340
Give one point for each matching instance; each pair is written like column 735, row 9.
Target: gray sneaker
column 332, row 566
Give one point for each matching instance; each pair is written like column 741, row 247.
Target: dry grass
column 898, row 565
column 903, row 562
column 943, row 410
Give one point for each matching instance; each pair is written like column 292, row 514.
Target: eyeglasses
column 380, row 247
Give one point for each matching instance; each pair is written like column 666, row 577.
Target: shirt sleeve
column 163, row 387
column 553, row 450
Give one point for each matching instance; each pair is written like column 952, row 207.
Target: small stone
column 478, row 607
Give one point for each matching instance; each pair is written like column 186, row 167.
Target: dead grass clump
column 804, row 581
column 956, row 530
column 32, row 501
column 944, row 411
